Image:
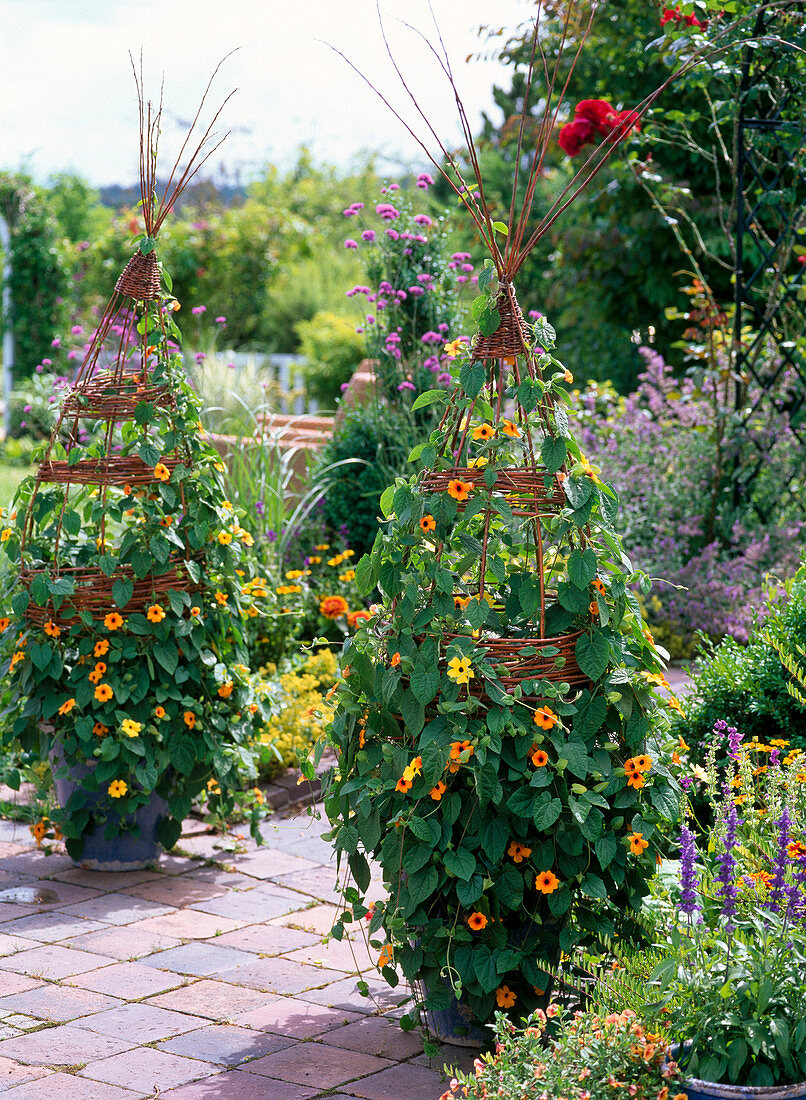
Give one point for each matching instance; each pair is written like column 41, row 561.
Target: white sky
column 67, row 97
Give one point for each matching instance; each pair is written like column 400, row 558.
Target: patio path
column 204, row 978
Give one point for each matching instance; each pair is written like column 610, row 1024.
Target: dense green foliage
column 747, row 685
column 38, row 277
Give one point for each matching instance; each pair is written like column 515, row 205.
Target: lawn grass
column 10, row 477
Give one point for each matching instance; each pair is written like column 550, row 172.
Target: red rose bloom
column 574, row 135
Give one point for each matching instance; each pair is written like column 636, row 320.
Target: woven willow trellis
column 106, row 453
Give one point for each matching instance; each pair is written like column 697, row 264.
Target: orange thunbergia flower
column 221, row 598
column 540, row 758
column 545, row 718
column 161, row 472
column 103, row 693
column 510, row 429
column 461, row 602
column 413, row 769
column 547, row 882
column 5, row 622
column 459, row 490
column 637, row 843
column 458, row 747
column 428, row 523
column 100, row 730
column 484, row 432
column 190, row 719
column 454, row 348
column 505, row 997
column 225, row 537
column 643, row 763
column 67, row 706
column 600, row 588
column 97, row 675
column 51, row 629
column 333, row 607
column 519, row 852
column 113, row 621
column 226, row 689
column 117, row 788
column 159, row 712
column 568, row 377
column 130, row 727
column 403, row 785
column 155, row 613
column 593, row 607
column 101, row 648
column 437, row 792
column 674, row 704
column 166, row 521
column 634, row 778
column 386, row 956
column 477, row 921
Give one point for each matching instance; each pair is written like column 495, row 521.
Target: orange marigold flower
column 510, row 429
column 155, row 613
column 428, row 523
column 477, row 921
column 51, row 629
column 356, row 617
column 459, row 490
column 505, row 997
column 333, row 607
column 539, row 757
column 547, row 882
column 113, row 621
column 67, row 706
column 437, row 792
column 484, row 432
column 161, row 472
column 518, row 852
column 190, row 719
column 101, row 648
column 545, row 718
column 637, row 843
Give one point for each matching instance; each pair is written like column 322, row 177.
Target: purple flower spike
column 778, row 889
column 689, row 903
column 727, row 870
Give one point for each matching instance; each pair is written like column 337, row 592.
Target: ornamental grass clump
column 496, row 755
column 125, row 648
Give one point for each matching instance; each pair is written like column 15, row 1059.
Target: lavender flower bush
column 664, row 454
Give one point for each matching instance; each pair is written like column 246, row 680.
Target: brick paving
column 203, row 978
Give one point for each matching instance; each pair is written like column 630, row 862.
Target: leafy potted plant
column 733, row 979
column 125, row 647
column 495, row 754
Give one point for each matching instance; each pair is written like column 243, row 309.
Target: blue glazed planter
column 131, row 850
column 697, row 1089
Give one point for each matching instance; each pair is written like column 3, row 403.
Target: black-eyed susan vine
column 126, row 647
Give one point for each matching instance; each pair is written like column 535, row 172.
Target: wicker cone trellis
column 532, row 494
column 109, row 396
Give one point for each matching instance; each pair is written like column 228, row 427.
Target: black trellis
column 770, row 275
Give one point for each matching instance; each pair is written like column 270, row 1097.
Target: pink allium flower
column 221, row 320
column 197, row 311
column 350, row 243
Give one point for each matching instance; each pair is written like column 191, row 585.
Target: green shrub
column 333, row 350
column 747, row 685
column 382, row 438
